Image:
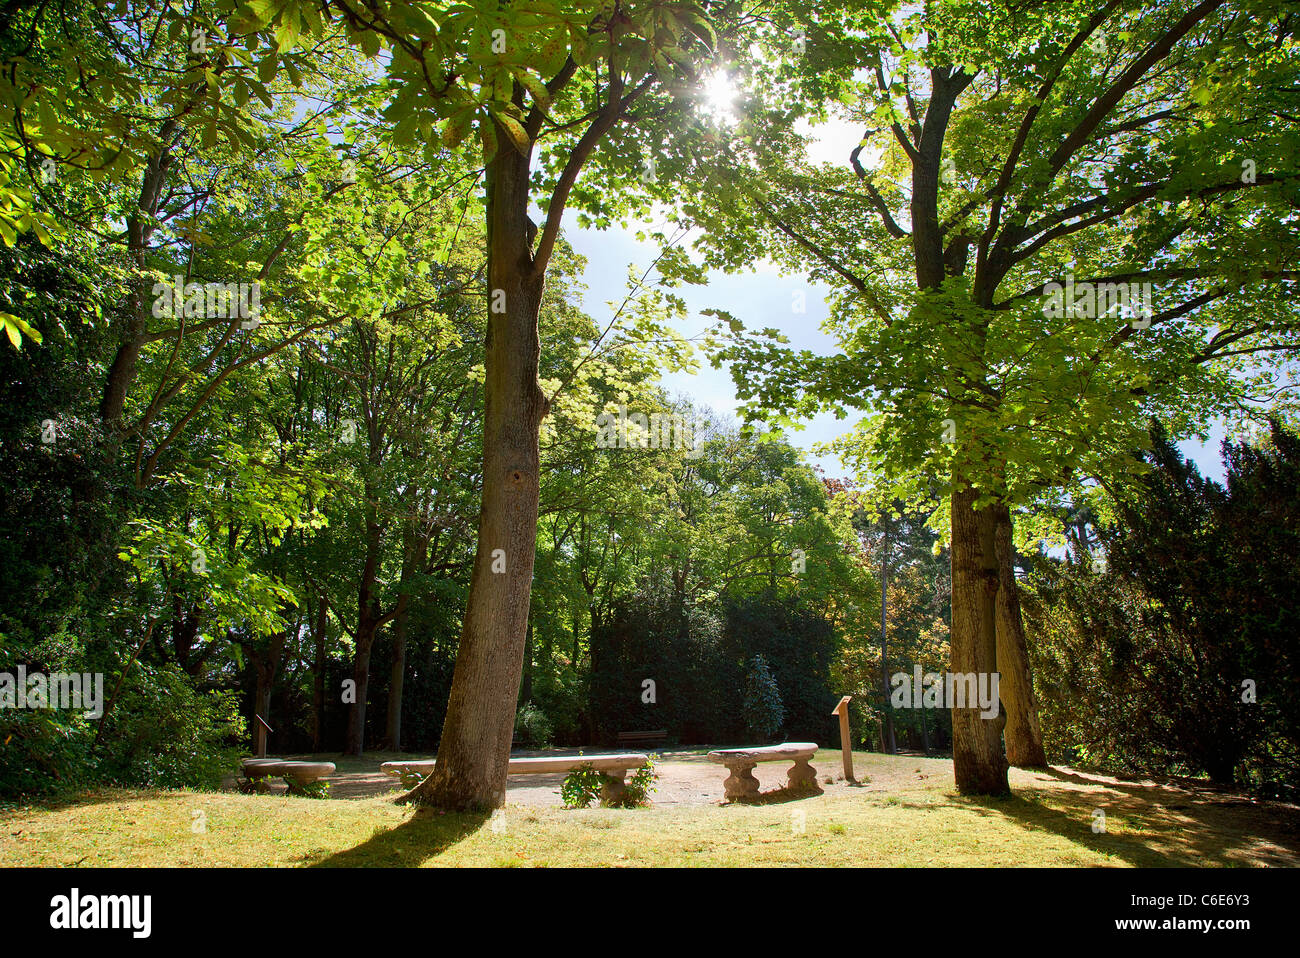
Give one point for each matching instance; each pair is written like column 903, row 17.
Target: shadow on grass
column 1075, row 827
column 89, row 797
column 1155, row 825
column 424, row 835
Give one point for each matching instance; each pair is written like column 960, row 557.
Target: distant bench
column 297, row 775
column 742, row 786
column 614, row 767
column 642, row 738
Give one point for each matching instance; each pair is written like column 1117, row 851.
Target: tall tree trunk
column 318, row 675
column 397, row 682
column 925, row 733
column 474, row 752
column 1024, row 736
column 979, row 764
column 887, row 744
column 140, row 226
column 369, row 619
column 266, row 665
column 415, row 551
column 365, row 641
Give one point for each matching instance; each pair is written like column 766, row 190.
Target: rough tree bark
column 474, row 752
column 1024, row 735
column 979, row 764
column 140, row 227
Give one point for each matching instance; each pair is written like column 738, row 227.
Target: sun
column 718, row 92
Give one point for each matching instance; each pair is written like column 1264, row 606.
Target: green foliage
column 532, row 727
column 761, row 710
column 581, row 787
column 164, row 733
column 639, row 787
column 1142, row 662
column 45, row 752
column 317, row 789
column 797, row 647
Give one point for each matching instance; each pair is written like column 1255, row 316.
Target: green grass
column 907, row 815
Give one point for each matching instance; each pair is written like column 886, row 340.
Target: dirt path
column 685, row 778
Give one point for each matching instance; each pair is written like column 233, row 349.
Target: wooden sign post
column 846, row 741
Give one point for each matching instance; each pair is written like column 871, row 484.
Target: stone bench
column 742, row 786
column 297, row 775
column 613, row 767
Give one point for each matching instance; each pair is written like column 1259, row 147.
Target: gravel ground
column 685, row 778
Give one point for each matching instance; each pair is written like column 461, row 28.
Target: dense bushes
column 164, row 733
column 160, row 733
column 753, row 667
column 1179, row 652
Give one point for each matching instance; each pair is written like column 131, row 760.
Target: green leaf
column 267, row 67
column 515, row 132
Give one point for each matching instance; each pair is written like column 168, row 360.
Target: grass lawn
column 907, row 815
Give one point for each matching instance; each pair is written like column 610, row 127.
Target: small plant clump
column 583, row 786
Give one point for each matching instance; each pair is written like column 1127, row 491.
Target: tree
column 1014, row 143
column 515, row 75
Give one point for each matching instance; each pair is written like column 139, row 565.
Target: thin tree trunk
column 474, row 752
column 318, row 675
column 266, row 665
column 397, row 682
column 365, row 640
column 979, row 765
column 887, row 743
column 925, row 733
column 1024, row 736
column 369, row 620
column 526, row 688
column 415, row 552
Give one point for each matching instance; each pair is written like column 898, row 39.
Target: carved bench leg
column 612, row 787
column 741, row 785
column 802, row 777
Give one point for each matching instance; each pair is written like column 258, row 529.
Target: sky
column 760, row 298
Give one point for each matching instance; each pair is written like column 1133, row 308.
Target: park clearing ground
column 905, row 813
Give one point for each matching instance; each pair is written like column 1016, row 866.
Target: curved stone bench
column 297, row 775
column 742, row 786
column 613, row 767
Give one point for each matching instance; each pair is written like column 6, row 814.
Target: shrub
column 762, row 709
column 581, row 787
column 164, row 733
column 637, row 791
column 532, row 727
